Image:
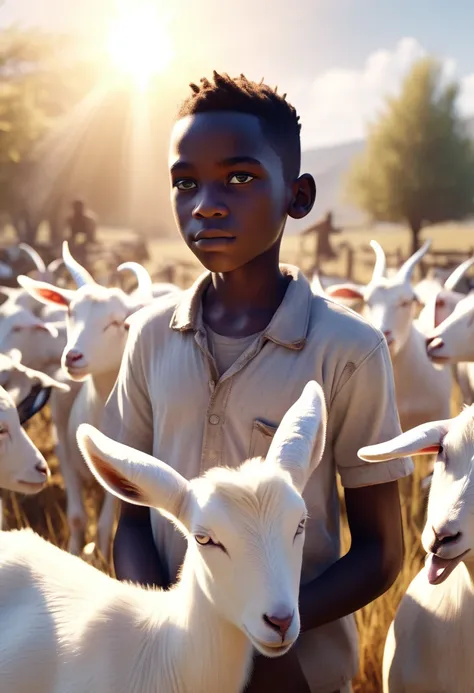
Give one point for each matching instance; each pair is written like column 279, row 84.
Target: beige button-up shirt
column 169, row 401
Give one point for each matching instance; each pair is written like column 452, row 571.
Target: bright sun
column 137, row 43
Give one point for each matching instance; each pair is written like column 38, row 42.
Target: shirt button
column 214, row 419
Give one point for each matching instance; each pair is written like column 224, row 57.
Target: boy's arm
column 128, row 418
column 363, row 412
column 134, row 550
column 371, row 565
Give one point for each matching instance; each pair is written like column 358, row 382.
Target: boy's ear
column 303, row 198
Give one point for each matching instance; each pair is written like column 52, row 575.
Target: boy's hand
column 279, row 675
column 371, row 565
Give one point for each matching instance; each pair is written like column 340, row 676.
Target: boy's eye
column 185, row 184
column 240, row 178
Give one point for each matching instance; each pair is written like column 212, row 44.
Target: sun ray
column 138, row 43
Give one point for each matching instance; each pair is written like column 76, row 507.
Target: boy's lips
column 212, row 239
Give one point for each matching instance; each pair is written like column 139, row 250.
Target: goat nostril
column 433, row 343
column 279, row 623
column 449, row 538
column 73, row 356
column 42, row 468
column 444, row 539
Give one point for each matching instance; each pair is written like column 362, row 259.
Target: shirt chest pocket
column 262, row 436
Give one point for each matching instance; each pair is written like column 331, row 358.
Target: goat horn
column 406, row 270
column 143, row 278
column 54, row 265
column 457, row 274
column 79, row 273
column 31, row 252
column 380, row 262
column 316, row 285
column 5, row 271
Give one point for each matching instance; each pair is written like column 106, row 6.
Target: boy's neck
column 243, row 302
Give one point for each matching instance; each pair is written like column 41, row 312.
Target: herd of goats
column 68, row 628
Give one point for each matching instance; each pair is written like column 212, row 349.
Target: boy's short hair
column 279, row 120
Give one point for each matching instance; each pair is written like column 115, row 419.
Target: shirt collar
column 288, row 327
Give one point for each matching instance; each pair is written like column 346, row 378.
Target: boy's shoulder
column 341, row 328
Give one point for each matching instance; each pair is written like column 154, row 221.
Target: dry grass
column 46, row 512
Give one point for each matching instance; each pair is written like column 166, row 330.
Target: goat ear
column 298, row 444
column 422, row 440
column 131, row 475
column 348, row 295
column 46, row 293
column 345, row 291
column 33, row 402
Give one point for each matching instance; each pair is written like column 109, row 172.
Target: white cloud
column 337, row 106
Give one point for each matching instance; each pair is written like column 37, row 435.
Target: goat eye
column 114, row 323
column 301, row 527
column 203, row 539
column 3, row 431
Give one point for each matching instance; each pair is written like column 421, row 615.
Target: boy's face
column 229, row 194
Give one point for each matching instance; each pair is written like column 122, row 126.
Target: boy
column 207, row 376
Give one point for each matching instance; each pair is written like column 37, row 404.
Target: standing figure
column 82, row 226
column 322, row 230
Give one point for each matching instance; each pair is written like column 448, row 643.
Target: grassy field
column 46, row 512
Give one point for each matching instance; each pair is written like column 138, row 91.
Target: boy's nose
column 209, row 208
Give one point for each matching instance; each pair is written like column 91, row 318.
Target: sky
column 336, row 60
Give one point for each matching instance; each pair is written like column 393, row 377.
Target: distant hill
column 330, row 166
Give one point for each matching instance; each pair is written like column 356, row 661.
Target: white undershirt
column 226, row 350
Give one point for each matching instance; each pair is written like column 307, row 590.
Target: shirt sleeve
column 364, row 412
column 128, row 415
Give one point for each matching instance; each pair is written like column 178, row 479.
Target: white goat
column 427, row 647
column 238, row 587
column 451, row 340
column 23, row 392
column 96, row 337
column 422, row 391
column 41, row 345
column 441, row 302
column 40, row 342
column 22, row 467
column 20, row 297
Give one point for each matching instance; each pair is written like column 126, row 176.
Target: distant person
column 82, row 226
column 324, row 230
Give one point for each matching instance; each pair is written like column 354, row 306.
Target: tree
column 35, row 88
column 418, row 164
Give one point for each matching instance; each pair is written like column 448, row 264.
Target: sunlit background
column 88, row 93
column 125, row 65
